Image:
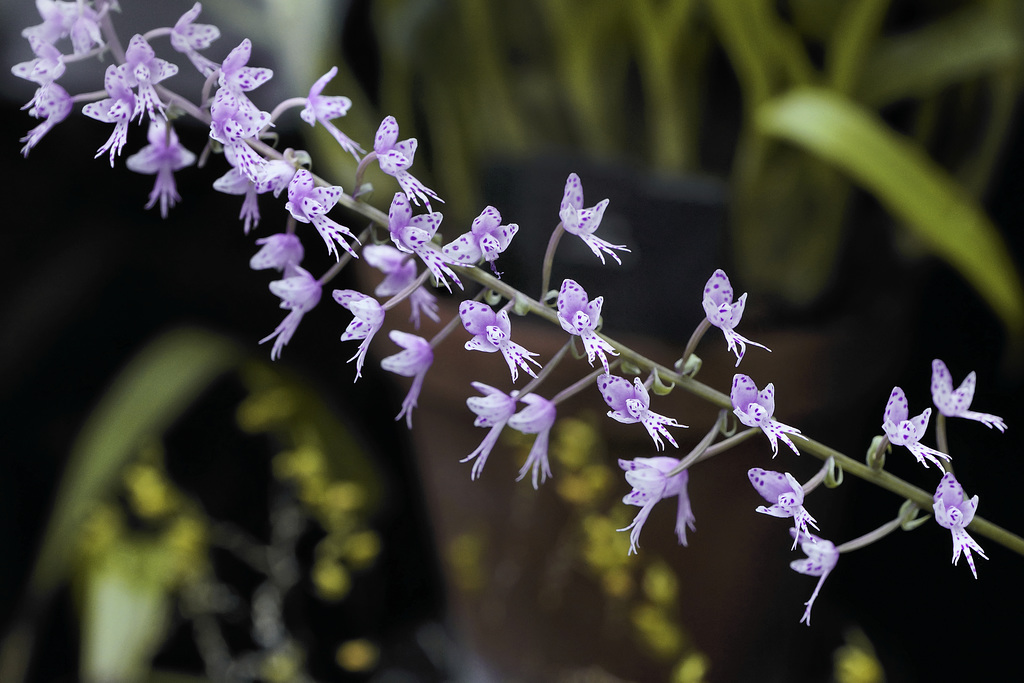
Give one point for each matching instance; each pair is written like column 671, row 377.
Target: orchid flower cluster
column 406, row 248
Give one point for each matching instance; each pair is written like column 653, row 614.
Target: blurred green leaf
column 974, row 41
column 909, row 183
column 145, row 399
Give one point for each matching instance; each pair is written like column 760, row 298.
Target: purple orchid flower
column 536, row 418
column 161, row 157
column 493, row 409
column 282, row 252
column 299, row 293
column 726, row 315
column 957, row 403
column 413, row 362
column 323, row 108
column 906, row 432
column 75, row 19
column 368, row 318
column 308, row 203
column 233, row 120
column 275, row 176
column 487, row 239
column 400, row 272
column 118, row 109
column 755, row 409
column 493, row 332
column 143, row 69
column 396, row 157
column 580, row 316
column 46, row 68
column 584, row 222
column 786, row 495
column 413, row 236
column 651, row 483
column 52, row 103
column 629, row 403
column 955, row 513
column 821, row 559
column 189, row 38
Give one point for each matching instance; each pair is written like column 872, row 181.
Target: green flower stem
column 549, row 259
column 695, row 338
column 880, row 532
column 816, row 480
column 547, row 369
column 702, row 446
column 409, row 289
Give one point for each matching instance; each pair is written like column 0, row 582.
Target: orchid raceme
column 580, row 316
column 955, row 513
column 161, row 157
column 368, row 318
column 413, row 235
column 584, row 222
column 957, row 403
column 726, row 315
column 396, row 157
column 903, row 431
column 309, row 204
column 629, row 403
column 493, row 332
column 786, row 496
column 323, row 108
column 486, row 240
column 413, row 362
column 493, row 409
column 536, row 418
column 400, row 272
column 651, row 483
column 755, row 409
column 821, row 559
column 299, row 293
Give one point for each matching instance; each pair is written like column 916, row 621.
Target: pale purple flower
column 536, row 418
column 237, row 76
column 400, row 272
column 275, row 177
column 188, row 38
column 580, row 316
column 493, row 332
column 413, row 362
column 583, row 222
column 323, row 108
column 282, row 252
column 75, row 19
column 52, row 103
column 118, row 109
column 651, row 483
column 47, row 67
column 308, row 203
column 368, row 318
column 162, row 156
column 955, row 513
column 299, row 294
column 413, row 235
column 396, row 157
column 726, row 315
column 233, row 121
column 143, row 69
column 486, row 239
column 786, row 496
column 493, row 409
column 957, row 403
column 822, row 557
column 903, row 431
column 755, row 409
column 629, row 403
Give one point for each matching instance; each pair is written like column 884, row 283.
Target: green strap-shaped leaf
column 909, row 183
column 149, row 394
